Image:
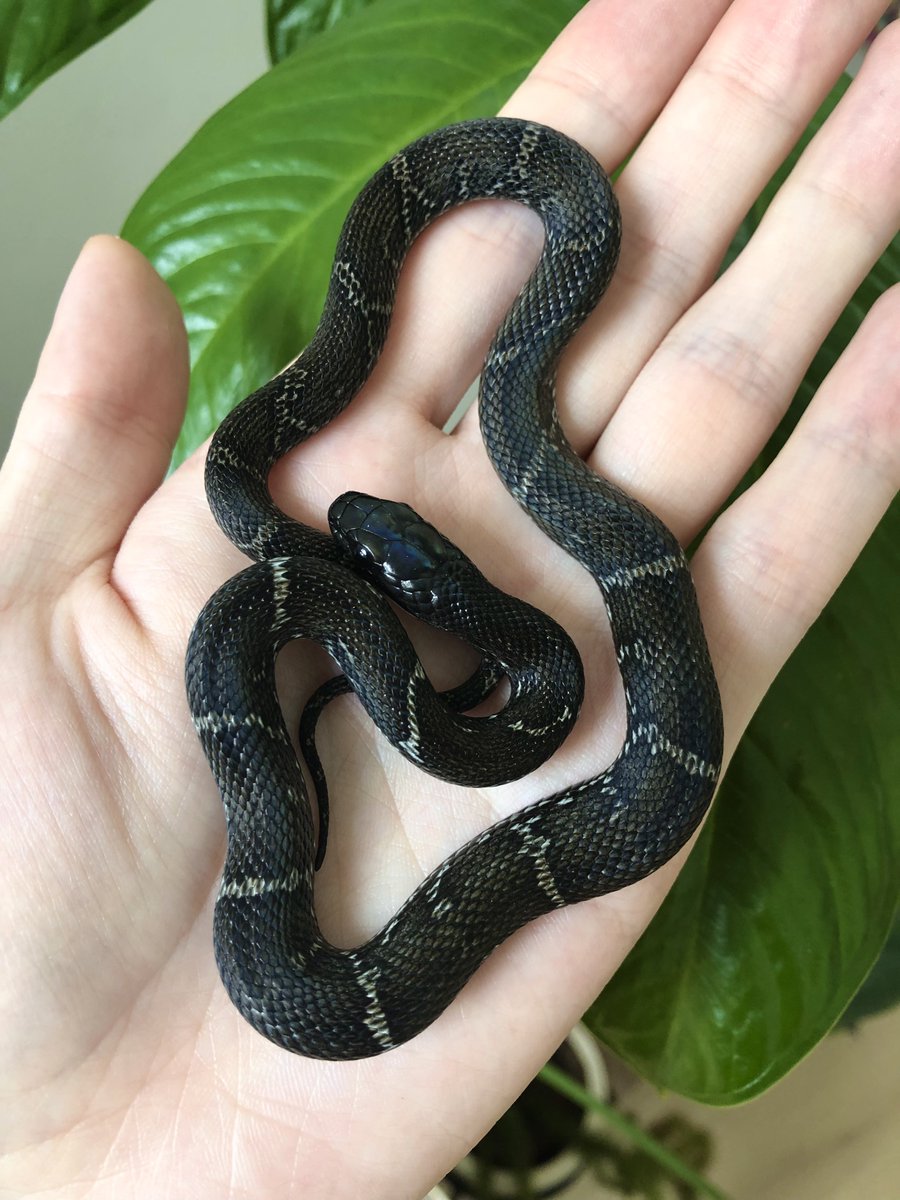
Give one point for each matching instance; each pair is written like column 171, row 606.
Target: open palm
column 124, row 1067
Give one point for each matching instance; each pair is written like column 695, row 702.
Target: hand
column 125, row 1070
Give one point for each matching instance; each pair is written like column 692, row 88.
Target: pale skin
column 124, row 1070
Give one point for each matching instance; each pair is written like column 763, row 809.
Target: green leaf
column 784, row 905
column 789, row 895
column 290, row 22
column 244, row 221
column 37, row 37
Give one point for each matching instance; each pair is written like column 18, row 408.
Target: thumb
column 97, row 428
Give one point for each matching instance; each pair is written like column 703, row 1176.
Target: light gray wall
column 79, row 151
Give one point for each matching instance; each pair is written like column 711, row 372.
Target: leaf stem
column 566, row 1086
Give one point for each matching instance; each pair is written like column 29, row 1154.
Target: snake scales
column 599, row 835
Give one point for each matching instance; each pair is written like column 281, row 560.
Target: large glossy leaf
column 243, row 222
column 786, row 901
column 791, row 891
column 37, row 37
column 290, row 22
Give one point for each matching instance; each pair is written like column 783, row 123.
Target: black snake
column 599, row 835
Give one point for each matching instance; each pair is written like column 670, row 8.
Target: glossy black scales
column 594, row 837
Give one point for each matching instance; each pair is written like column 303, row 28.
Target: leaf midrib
column 348, row 188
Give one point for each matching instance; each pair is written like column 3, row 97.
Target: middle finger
column 736, row 115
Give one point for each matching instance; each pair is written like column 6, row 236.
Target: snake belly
column 599, row 835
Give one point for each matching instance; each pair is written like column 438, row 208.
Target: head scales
column 393, row 547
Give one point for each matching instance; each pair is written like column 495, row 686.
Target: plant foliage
column 37, row 37
column 290, row 22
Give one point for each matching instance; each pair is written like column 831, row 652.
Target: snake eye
column 391, row 545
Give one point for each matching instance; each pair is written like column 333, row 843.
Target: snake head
column 393, row 547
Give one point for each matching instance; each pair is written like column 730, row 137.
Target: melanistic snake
column 589, row 839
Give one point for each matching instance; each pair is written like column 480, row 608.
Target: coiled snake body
column 592, row 838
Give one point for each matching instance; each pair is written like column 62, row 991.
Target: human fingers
column 737, row 113
column 603, row 81
column 739, row 108
column 97, row 427
column 711, row 395
column 773, row 559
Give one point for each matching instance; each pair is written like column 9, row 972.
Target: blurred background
column 76, row 156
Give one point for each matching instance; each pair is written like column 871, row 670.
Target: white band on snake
column 599, row 835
